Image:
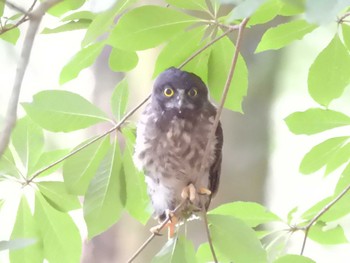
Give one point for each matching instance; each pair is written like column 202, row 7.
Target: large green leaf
column 346, row 35
column 26, row 228
column 294, row 259
column 2, row 5
column 339, row 158
column 83, row 59
column 148, row 26
column 65, row 6
column 253, row 214
column 189, row 4
column 179, row 49
column 104, row 21
column 57, row 196
column 283, row 34
column 63, row 111
column 119, row 99
column 122, row 60
column 323, row 234
column 70, row 26
column 176, row 250
column 329, row 74
column 137, row 200
column 199, row 65
column 103, row 203
column 235, row 240
column 314, row 121
column 292, row 7
column 28, row 141
column 266, row 12
column 325, row 11
column 11, row 35
column 344, row 180
column 219, row 65
column 320, row 154
column 245, row 9
column 79, row 169
column 8, row 165
column 61, row 238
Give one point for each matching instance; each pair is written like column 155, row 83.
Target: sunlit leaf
column 315, row 120
column 79, row 169
column 294, row 259
column 86, row 15
column 49, row 111
column 2, row 5
column 219, row 65
column 65, row 6
column 148, row 26
column 199, row 65
column 189, row 4
column 26, row 228
column 119, row 99
column 329, row 74
column 266, row 12
column 292, row 7
column 344, row 180
column 339, row 158
column 283, row 34
column 57, row 196
column 325, row 11
column 72, row 25
column 325, row 235
column 245, row 9
column 11, row 35
column 60, row 235
column 346, row 35
column 320, row 154
column 28, row 141
column 122, row 60
column 8, row 165
column 253, row 214
column 83, row 59
column 103, row 204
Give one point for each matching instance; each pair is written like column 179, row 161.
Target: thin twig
column 11, row 114
column 206, row 225
column 342, row 18
column 115, row 127
column 211, row 137
column 145, row 244
column 319, row 214
column 24, row 18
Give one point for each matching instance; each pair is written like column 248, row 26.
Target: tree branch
column 11, row 114
column 319, row 214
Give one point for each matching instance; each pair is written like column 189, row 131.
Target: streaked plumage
column 171, row 138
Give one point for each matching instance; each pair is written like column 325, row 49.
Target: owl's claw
column 204, row 191
column 170, row 225
column 189, row 192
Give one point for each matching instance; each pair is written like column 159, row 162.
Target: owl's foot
column 204, row 191
column 189, row 192
column 170, row 225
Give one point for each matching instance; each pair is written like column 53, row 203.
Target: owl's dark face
column 179, row 92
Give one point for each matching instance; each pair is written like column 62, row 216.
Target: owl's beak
column 180, row 101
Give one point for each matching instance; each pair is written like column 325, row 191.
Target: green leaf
column 294, row 259
column 283, row 34
column 265, row 13
column 57, row 196
column 79, row 169
column 28, row 141
column 245, row 9
column 292, row 7
column 228, row 232
column 2, row 5
column 315, row 120
column 148, row 26
column 322, row 234
column 179, row 49
column 65, row 6
column 122, row 60
column 26, row 228
column 346, row 35
column 104, row 21
column 320, row 154
column 49, row 111
column 85, row 15
column 11, row 35
column 325, row 11
column 329, row 74
column 72, row 25
column 83, row 59
column 219, row 66
column 60, row 235
column 344, row 180
column 102, row 203
column 119, row 99
column 8, row 165
column 199, row 65
column 137, row 201
column 46, row 159
column 339, row 158
column 176, row 250
column 253, row 214
column 189, row 4
column 16, row 244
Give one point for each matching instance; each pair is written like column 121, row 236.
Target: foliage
column 102, row 171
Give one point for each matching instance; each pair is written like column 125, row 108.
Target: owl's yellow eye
column 168, row 92
column 192, row 92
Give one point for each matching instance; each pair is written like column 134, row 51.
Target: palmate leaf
column 119, row 99
column 265, row 13
column 340, row 157
column 63, row 111
column 329, row 74
column 8, row 165
column 245, row 9
column 294, row 259
column 219, row 64
column 26, row 227
column 72, row 25
column 65, row 6
column 189, row 4
column 11, row 35
column 103, row 201
column 122, row 60
column 346, row 35
column 59, row 233
column 148, row 26
column 315, row 120
column 325, row 235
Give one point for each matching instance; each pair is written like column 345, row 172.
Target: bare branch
column 319, row 214
column 11, row 114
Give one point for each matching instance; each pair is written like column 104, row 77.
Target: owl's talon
column 156, row 230
column 204, row 191
column 189, row 192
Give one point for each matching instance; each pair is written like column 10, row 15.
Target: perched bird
column 172, row 135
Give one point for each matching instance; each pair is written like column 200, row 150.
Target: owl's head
column 179, row 92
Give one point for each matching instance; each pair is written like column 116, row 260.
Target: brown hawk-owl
column 172, row 135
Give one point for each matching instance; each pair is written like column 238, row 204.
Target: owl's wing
column 215, row 169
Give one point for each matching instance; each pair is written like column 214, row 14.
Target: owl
column 171, row 138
